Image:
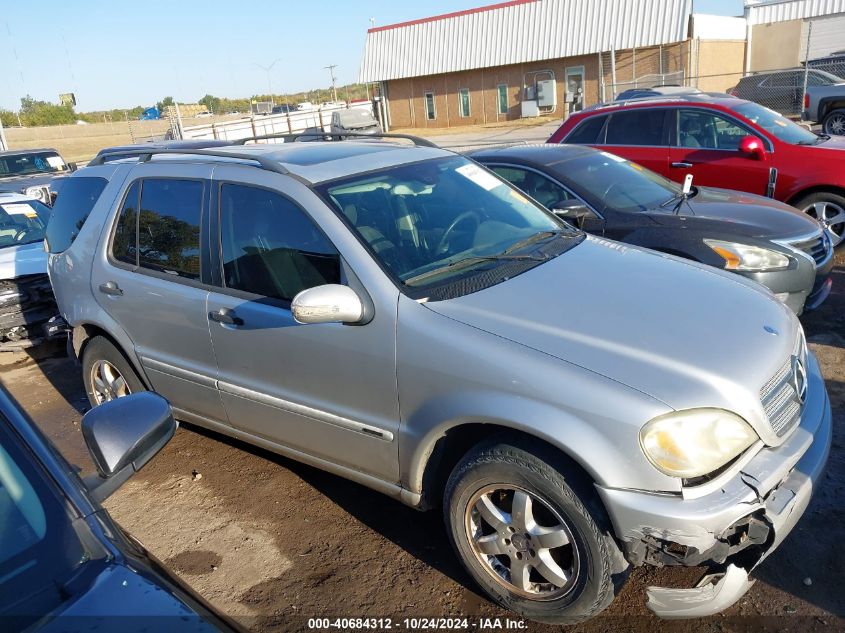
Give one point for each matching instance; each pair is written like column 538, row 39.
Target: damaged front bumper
column 27, row 308
column 737, row 524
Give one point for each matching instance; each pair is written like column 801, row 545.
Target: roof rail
column 144, row 156
column 418, row 141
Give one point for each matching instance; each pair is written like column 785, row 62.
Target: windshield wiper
column 470, row 261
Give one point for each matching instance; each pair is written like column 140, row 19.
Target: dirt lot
column 274, row 542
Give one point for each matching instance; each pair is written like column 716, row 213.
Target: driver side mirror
column 330, row 303
column 752, row 147
column 71, row 166
column 573, row 211
column 122, row 436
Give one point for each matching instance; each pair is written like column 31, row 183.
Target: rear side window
column 636, row 127
column 78, row 197
column 160, row 230
column 588, row 132
column 270, row 246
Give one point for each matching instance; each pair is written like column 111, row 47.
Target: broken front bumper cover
column 775, row 486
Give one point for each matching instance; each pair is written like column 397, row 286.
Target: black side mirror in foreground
column 122, row 436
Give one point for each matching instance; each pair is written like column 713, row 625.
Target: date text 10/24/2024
column 417, row 624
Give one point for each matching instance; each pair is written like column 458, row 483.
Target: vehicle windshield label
column 19, row 209
column 483, row 179
column 55, row 162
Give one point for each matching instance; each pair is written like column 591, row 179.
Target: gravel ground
column 274, row 542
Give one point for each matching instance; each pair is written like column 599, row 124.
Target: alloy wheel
column 832, row 218
column 107, row 383
column 522, row 542
column 835, row 124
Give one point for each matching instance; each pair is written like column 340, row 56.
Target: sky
column 123, row 53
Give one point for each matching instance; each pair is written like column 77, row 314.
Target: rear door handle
column 682, row 165
column 111, row 288
column 225, row 316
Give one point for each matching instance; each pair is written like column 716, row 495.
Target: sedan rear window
column 78, row 197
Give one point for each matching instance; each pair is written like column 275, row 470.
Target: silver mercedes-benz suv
column 401, row 316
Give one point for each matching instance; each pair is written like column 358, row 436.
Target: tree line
column 34, row 112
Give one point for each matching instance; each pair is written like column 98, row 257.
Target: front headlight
column 745, row 257
column 695, row 442
column 39, row 193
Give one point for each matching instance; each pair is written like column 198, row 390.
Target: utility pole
column 267, row 70
column 3, row 144
column 331, row 68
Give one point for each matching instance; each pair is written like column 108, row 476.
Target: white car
column 26, row 297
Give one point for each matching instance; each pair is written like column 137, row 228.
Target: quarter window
column 502, row 90
column 79, row 195
column 706, row 130
column 636, row 127
column 463, row 102
column 588, row 132
column 270, row 247
column 430, row 112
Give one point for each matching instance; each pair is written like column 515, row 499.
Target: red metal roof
column 444, row 16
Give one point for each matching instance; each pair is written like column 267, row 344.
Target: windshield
column 356, row 118
column 39, row 548
column 23, row 222
column 31, row 163
column 616, row 183
column 430, row 221
column 776, row 125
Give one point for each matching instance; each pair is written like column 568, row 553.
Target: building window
column 430, row 112
column 503, row 98
column 463, row 102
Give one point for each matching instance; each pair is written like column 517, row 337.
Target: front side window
column 776, row 124
column 701, row 129
column 636, row 127
column 542, row 189
column 430, row 112
column 79, row 195
column 23, row 222
column 502, row 91
column 463, row 102
column 431, row 221
column 270, row 247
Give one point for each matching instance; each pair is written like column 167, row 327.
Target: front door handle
column 226, row 316
column 111, row 288
column 682, row 165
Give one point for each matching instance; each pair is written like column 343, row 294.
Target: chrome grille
column 778, row 396
column 817, row 247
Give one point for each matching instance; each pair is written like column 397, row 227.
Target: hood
column 748, row 214
column 19, row 183
column 683, row 333
column 18, row 261
column 835, row 143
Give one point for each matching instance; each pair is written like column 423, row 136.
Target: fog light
column 782, row 296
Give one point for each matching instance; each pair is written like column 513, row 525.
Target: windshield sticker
column 618, row 159
column 19, row 209
column 55, row 162
column 483, row 179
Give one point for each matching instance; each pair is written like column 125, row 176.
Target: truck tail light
column 806, row 100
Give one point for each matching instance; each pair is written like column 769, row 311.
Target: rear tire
column 538, row 542
column 829, row 209
column 107, row 373
column 834, row 122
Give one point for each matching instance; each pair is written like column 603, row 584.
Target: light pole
column 267, row 70
column 331, row 68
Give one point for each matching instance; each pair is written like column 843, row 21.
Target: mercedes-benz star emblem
column 799, row 379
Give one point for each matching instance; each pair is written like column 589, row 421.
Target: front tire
column 536, row 541
column 107, row 373
column 829, row 209
column 834, row 122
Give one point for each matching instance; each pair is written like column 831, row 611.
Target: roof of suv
column 703, row 98
column 321, row 161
